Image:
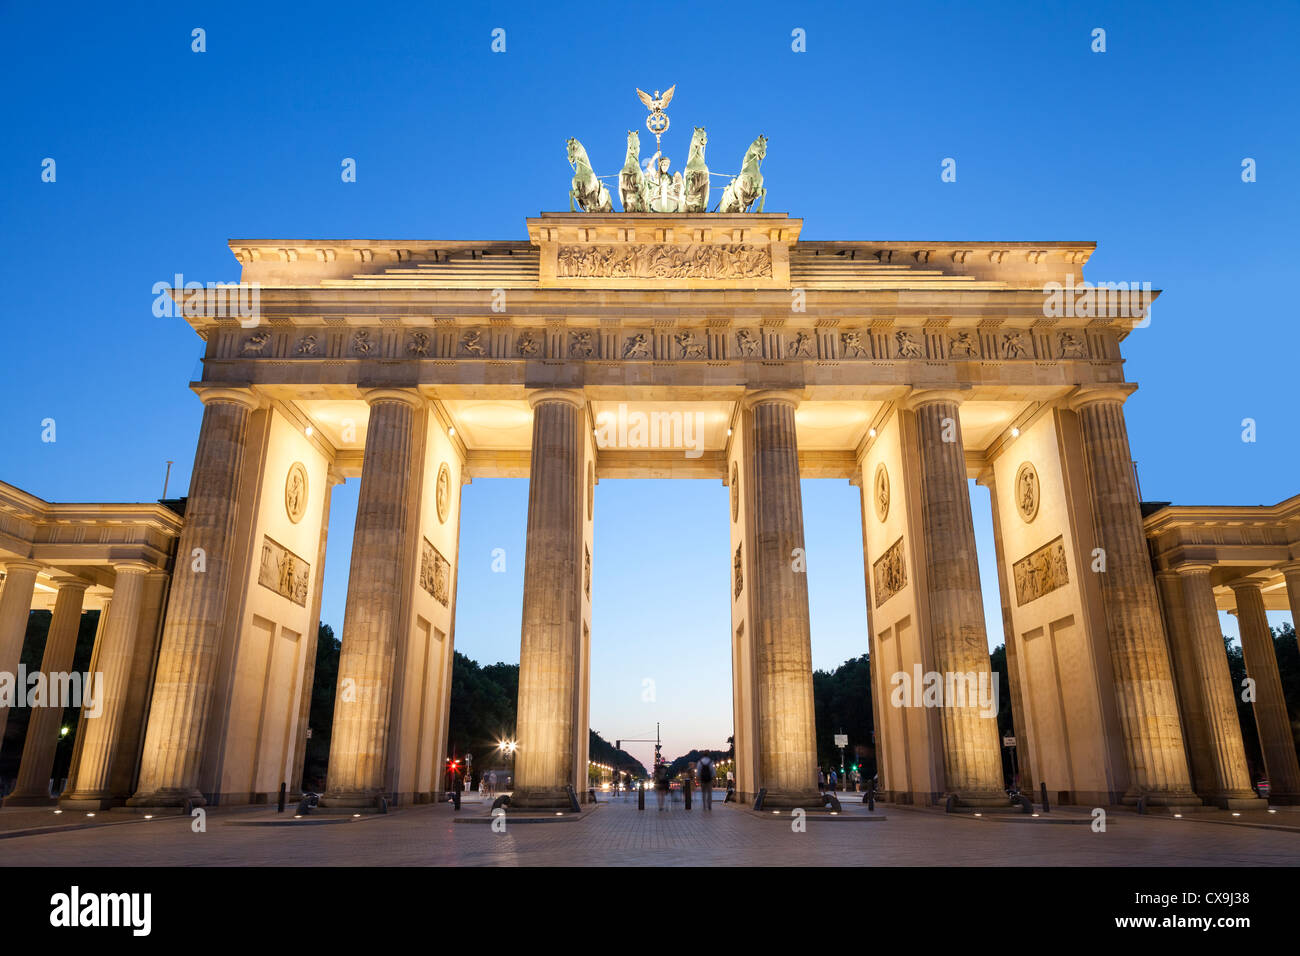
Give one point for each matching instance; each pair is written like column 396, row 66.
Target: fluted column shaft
column 1271, row 719
column 972, row 758
column 15, row 606
column 196, row 612
column 371, row 623
column 787, row 743
column 1143, row 677
column 101, row 715
column 1214, row 692
column 551, row 630
column 33, row 786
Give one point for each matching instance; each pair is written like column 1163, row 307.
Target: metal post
column 279, row 807
column 1046, row 806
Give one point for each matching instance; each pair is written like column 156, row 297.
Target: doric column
column 15, row 606
column 1143, row 677
column 1212, row 695
column 371, row 619
column 196, row 611
column 782, row 642
column 101, row 714
column 33, row 787
column 972, row 758
column 551, row 631
column 1275, row 738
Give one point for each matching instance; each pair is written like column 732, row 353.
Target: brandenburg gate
column 907, row 368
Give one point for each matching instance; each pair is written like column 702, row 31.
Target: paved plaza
column 617, row 834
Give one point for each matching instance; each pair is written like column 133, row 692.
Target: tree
column 842, row 704
column 320, row 717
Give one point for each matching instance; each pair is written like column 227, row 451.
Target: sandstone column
column 15, row 606
column 371, row 620
column 101, row 715
column 196, row 611
column 1213, row 693
column 33, row 787
column 972, row 759
column 552, row 616
column 1144, row 686
column 782, row 642
column 1275, row 740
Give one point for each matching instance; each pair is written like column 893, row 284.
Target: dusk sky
column 163, row 154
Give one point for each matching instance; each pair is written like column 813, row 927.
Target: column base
column 980, row 799
column 351, row 801
column 168, row 798
column 540, row 798
column 89, row 801
column 1163, row 798
column 1237, row 801
column 29, row 800
column 791, row 799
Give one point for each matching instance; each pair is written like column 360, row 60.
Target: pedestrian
column 821, row 780
column 706, row 782
column 731, row 788
column 833, row 780
column 661, row 785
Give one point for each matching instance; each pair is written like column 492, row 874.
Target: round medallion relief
column 735, row 490
column 1027, row 492
column 444, row 492
column 880, row 492
column 591, row 488
column 295, row 492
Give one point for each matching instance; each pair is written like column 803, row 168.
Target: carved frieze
column 889, row 573
column 740, row 575
column 586, row 571
column 442, row 495
column 664, row 262
column 284, row 572
column 1028, row 492
column 295, row 492
column 1041, row 572
column 435, row 573
column 880, row 492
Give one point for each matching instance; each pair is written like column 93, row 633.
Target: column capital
column 404, row 396
column 70, row 581
column 772, row 396
column 929, row 396
column 230, row 396
column 21, row 564
column 1192, row 567
column 1117, row 392
column 1290, row 567
column 132, row 567
column 569, row 396
column 1247, row 582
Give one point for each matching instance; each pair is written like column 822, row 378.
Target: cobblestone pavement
column 617, row 834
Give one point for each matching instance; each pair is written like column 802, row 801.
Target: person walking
column 833, row 780
column 705, row 770
column 661, row 785
column 821, row 779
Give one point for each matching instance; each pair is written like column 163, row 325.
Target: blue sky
column 163, row 154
